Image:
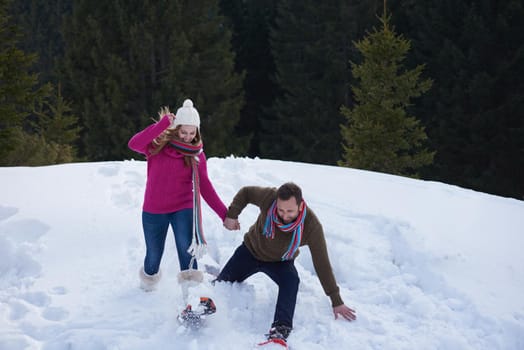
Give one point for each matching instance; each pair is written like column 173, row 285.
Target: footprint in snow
column 24, row 231
column 55, row 313
column 109, row 170
column 7, row 212
column 39, row 299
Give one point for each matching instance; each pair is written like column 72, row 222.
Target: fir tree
column 41, row 24
column 56, row 123
column 207, row 75
column 125, row 60
column 474, row 50
column 18, row 87
column 379, row 134
column 308, row 45
column 311, row 47
column 250, row 21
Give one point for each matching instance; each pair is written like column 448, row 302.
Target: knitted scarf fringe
column 198, row 246
column 296, row 226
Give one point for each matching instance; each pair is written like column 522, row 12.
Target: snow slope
column 426, row 265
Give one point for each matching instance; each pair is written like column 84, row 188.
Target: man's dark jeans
column 243, row 264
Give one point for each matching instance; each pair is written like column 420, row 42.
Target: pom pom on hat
column 187, row 115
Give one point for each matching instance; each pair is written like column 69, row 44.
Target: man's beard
column 284, row 221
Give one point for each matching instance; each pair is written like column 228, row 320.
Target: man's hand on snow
column 344, row 311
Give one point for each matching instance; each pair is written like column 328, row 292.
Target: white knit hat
column 187, row 115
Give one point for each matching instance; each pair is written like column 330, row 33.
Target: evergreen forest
column 432, row 89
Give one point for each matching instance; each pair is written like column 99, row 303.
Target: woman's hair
column 172, row 134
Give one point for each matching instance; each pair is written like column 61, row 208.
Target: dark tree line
column 270, row 77
column 474, row 113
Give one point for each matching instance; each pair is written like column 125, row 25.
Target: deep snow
column 426, row 265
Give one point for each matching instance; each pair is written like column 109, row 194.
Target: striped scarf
column 198, row 245
column 296, row 226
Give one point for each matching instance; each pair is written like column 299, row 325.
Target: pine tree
column 311, row 46
column 474, row 50
column 379, row 134
column 41, row 24
column 100, row 79
column 56, row 123
column 251, row 22
column 208, row 76
column 18, row 86
column 308, row 45
column 124, row 60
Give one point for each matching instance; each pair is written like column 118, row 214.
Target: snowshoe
column 277, row 335
column 195, row 319
column 277, row 342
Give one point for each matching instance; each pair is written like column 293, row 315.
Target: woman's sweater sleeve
column 140, row 142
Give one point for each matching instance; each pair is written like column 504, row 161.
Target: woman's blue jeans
column 155, row 232
column 243, row 264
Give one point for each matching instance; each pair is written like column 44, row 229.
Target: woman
column 176, row 177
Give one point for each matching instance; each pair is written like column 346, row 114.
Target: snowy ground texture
column 426, row 265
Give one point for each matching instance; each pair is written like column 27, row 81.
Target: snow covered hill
column 426, row 265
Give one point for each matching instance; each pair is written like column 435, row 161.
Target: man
column 271, row 245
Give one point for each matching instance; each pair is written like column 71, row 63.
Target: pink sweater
column 169, row 185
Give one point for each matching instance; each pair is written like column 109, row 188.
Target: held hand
column 231, row 224
column 344, row 311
